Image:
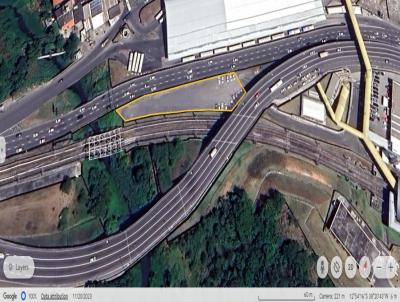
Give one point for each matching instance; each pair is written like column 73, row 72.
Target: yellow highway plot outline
column 118, row 110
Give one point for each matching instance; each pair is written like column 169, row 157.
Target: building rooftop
column 395, row 118
column 78, row 13
column 66, row 21
column 195, row 26
column 57, row 2
column 313, row 108
column 353, row 233
column 96, row 7
column 114, row 11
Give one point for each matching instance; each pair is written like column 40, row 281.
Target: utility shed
column 313, row 109
column 195, row 26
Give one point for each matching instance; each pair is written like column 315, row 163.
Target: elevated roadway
column 267, row 55
column 72, row 266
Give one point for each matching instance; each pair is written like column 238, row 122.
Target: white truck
column 276, row 85
column 323, row 54
column 213, row 152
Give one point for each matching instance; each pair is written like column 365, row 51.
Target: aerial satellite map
column 201, row 150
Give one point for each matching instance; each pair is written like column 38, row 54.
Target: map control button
column 336, row 267
column 365, row 267
column 18, row 267
column 350, row 267
column 322, row 267
column 385, row 267
column 2, row 150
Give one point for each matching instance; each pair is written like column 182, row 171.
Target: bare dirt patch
column 302, row 168
column 148, row 12
column 296, row 187
column 118, row 72
column 33, row 213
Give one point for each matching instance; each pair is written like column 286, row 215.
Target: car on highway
column 60, row 81
column 233, row 66
column 82, row 109
column 257, row 95
column 94, row 107
column 19, row 150
column 58, row 120
column 2, row 255
column 93, row 259
column 35, row 134
column 153, row 88
column 79, row 116
column 18, row 135
column 42, row 140
column 51, row 130
column 152, row 77
column 256, row 105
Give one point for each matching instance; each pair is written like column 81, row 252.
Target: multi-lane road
column 72, row 266
column 32, row 168
column 268, row 55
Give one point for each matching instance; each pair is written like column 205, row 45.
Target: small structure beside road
column 313, row 109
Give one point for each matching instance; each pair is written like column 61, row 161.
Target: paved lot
column 220, row 93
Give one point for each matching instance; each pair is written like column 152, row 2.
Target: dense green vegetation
column 237, row 244
column 23, row 39
column 116, row 187
column 95, row 82
column 109, row 121
column 104, row 200
column 164, row 157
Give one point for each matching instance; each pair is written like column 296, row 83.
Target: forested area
column 23, row 39
column 95, row 82
column 164, row 157
column 237, row 244
column 117, row 187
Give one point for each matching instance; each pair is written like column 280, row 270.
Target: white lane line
column 181, row 199
column 127, row 244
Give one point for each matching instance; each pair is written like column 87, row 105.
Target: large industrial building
column 197, row 26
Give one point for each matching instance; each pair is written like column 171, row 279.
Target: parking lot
column 220, row 93
column 380, row 100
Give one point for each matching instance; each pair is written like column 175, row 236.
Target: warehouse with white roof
column 195, row 26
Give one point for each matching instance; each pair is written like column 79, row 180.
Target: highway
column 35, row 167
column 267, row 54
column 71, row 266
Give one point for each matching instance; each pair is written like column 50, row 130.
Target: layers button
column 18, row 267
